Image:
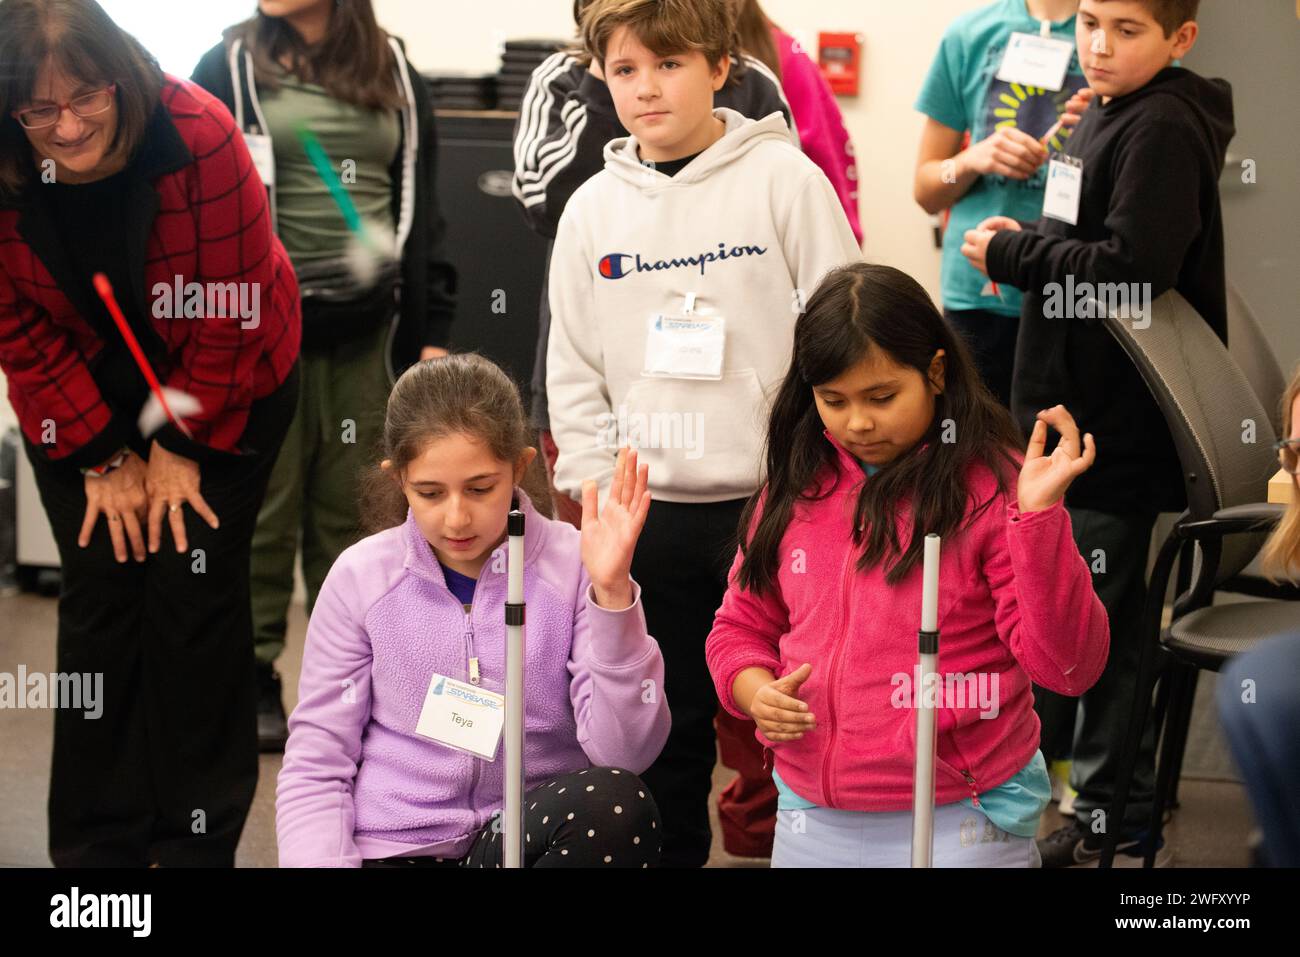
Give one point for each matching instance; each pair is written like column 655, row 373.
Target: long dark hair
column 460, row 393
column 755, row 32
column 857, row 308
column 85, row 43
column 354, row 62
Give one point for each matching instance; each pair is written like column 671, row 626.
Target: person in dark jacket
column 108, row 166
column 1141, row 182
column 331, row 68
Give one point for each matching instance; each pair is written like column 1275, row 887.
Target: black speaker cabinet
column 499, row 260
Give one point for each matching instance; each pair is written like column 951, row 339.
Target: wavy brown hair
column 82, row 41
column 354, row 62
column 460, row 393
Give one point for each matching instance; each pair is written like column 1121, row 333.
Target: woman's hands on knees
column 138, row 491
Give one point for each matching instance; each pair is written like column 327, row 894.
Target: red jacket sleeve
column 235, row 244
column 56, row 397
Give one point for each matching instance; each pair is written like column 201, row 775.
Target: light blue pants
column 963, row 837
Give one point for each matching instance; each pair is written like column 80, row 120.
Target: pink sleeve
column 746, row 633
column 822, row 133
column 1047, row 612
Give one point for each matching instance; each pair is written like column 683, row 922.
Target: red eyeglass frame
column 111, row 90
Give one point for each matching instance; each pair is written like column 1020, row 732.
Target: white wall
column 1258, row 55
column 899, row 40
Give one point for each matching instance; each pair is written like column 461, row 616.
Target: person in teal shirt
column 1003, row 170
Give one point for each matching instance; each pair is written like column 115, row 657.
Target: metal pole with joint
column 513, row 812
column 927, row 646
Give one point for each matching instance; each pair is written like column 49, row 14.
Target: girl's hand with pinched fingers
column 609, row 541
column 777, row 710
column 1044, row 479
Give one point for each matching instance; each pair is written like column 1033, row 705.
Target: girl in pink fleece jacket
column 394, row 753
column 880, row 434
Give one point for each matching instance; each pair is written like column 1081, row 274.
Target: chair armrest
column 1234, row 520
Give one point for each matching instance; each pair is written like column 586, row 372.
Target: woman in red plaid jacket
column 109, row 166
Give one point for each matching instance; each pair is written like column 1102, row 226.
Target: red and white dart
column 165, row 404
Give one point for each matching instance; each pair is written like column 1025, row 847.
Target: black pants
column 681, row 563
column 601, row 817
column 992, row 340
column 1115, row 547
column 166, row 774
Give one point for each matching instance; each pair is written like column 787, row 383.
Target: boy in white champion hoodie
column 677, row 274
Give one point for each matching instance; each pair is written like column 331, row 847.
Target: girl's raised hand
column 608, row 542
column 1044, row 479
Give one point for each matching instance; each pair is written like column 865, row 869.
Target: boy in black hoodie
column 1147, row 156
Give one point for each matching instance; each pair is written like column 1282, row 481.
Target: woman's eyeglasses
column 86, row 105
column 1288, row 453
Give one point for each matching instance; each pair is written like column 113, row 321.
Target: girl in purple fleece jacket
column 375, row 772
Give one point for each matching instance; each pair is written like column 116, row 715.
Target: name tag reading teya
column 462, row 716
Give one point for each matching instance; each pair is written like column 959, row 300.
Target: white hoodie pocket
column 703, row 440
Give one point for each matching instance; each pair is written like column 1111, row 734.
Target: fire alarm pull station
column 840, row 57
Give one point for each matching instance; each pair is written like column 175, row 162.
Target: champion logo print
column 616, row 265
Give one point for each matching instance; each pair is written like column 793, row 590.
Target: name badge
column 462, row 716
column 1036, row 61
column 684, row 347
column 1064, row 186
column 259, row 146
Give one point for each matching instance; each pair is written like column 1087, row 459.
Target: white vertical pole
column 513, row 812
column 928, row 652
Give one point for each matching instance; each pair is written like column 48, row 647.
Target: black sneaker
column 272, row 726
column 1057, row 849
column 1074, row 845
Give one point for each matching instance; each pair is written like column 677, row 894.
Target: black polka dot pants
column 600, row 817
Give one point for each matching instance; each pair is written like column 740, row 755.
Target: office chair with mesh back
column 1213, row 415
column 1250, row 350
